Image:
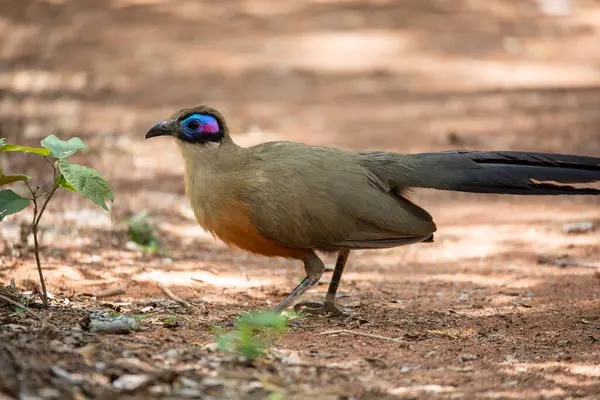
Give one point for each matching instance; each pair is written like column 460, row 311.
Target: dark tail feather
column 500, row 172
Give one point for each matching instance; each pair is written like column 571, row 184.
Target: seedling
column 174, row 321
column 140, row 231
column 248, row 340
column 66, row 175
column 139, row 317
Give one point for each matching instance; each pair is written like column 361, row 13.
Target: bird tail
column 500, row 172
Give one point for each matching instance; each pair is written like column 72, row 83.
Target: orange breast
column 233, row 226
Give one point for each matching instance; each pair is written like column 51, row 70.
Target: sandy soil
column 503, row 305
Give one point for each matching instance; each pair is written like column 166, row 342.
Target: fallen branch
column 120, row 324
column 23, row 307
column 172, row 295
column 571, row 263
column 106, row 292
column 369, row 335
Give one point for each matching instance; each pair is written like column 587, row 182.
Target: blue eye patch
column 197, row 124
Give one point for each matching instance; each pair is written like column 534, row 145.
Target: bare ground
column 503, row 305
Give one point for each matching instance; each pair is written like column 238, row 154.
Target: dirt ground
column 504, row 305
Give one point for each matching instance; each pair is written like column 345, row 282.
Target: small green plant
column 174, row 321
column 139, row 317
column 276, row 396
column 252, row 329
column 214, row 328
column 66, row 175
column 140, row 232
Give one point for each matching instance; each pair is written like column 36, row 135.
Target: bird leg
column 314, row 270
column 329, row 306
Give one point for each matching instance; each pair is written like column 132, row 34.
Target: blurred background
column 404, row 75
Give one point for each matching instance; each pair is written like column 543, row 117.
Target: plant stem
column 45, row 204
column 36, row 245
column 37, row 215
column 36, row 250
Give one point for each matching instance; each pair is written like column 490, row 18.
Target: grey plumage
column 501, row 172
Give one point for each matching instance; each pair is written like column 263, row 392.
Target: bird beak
column 163, row 128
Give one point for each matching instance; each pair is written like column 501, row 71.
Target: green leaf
column 252, row 349
column 228, row 341
column 11, row 203
column 2, row 142
column 23, row 149
column 86, row 181
column 6, row 179
column 62, row 182
column 62, row 149
column 269, row 319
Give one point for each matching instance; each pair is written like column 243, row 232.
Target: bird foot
column 312, row 307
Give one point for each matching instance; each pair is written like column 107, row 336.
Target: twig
column 370, row 335
column 107, row 292
column 120, row 324
column 50, row 162
column 23, row 307
column 573, row 263
column 172, row 295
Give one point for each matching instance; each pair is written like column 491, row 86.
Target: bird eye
column 197, row 124
column 193, row 125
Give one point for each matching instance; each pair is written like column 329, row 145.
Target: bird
column 293, row 200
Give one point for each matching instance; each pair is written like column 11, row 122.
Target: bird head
column 199, row 126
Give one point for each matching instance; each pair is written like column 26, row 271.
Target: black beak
column 161, row 129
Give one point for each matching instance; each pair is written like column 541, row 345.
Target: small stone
column 431, row 354
column 467, row 357
column 133, row 246
column 49, row 393
column 172, row 353
column 131, row 382
column 526, row 303
column 509, row 358
column 213, row 346
column 100, row 366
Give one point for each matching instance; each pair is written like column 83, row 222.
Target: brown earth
column 503, row 305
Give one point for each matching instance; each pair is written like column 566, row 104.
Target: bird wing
column 317, row 197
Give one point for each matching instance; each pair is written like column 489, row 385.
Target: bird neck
column 208, row 156
column 205, row 166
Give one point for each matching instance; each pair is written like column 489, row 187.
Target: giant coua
column 289, row 199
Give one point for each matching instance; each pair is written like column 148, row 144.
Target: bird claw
column 312, row 307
